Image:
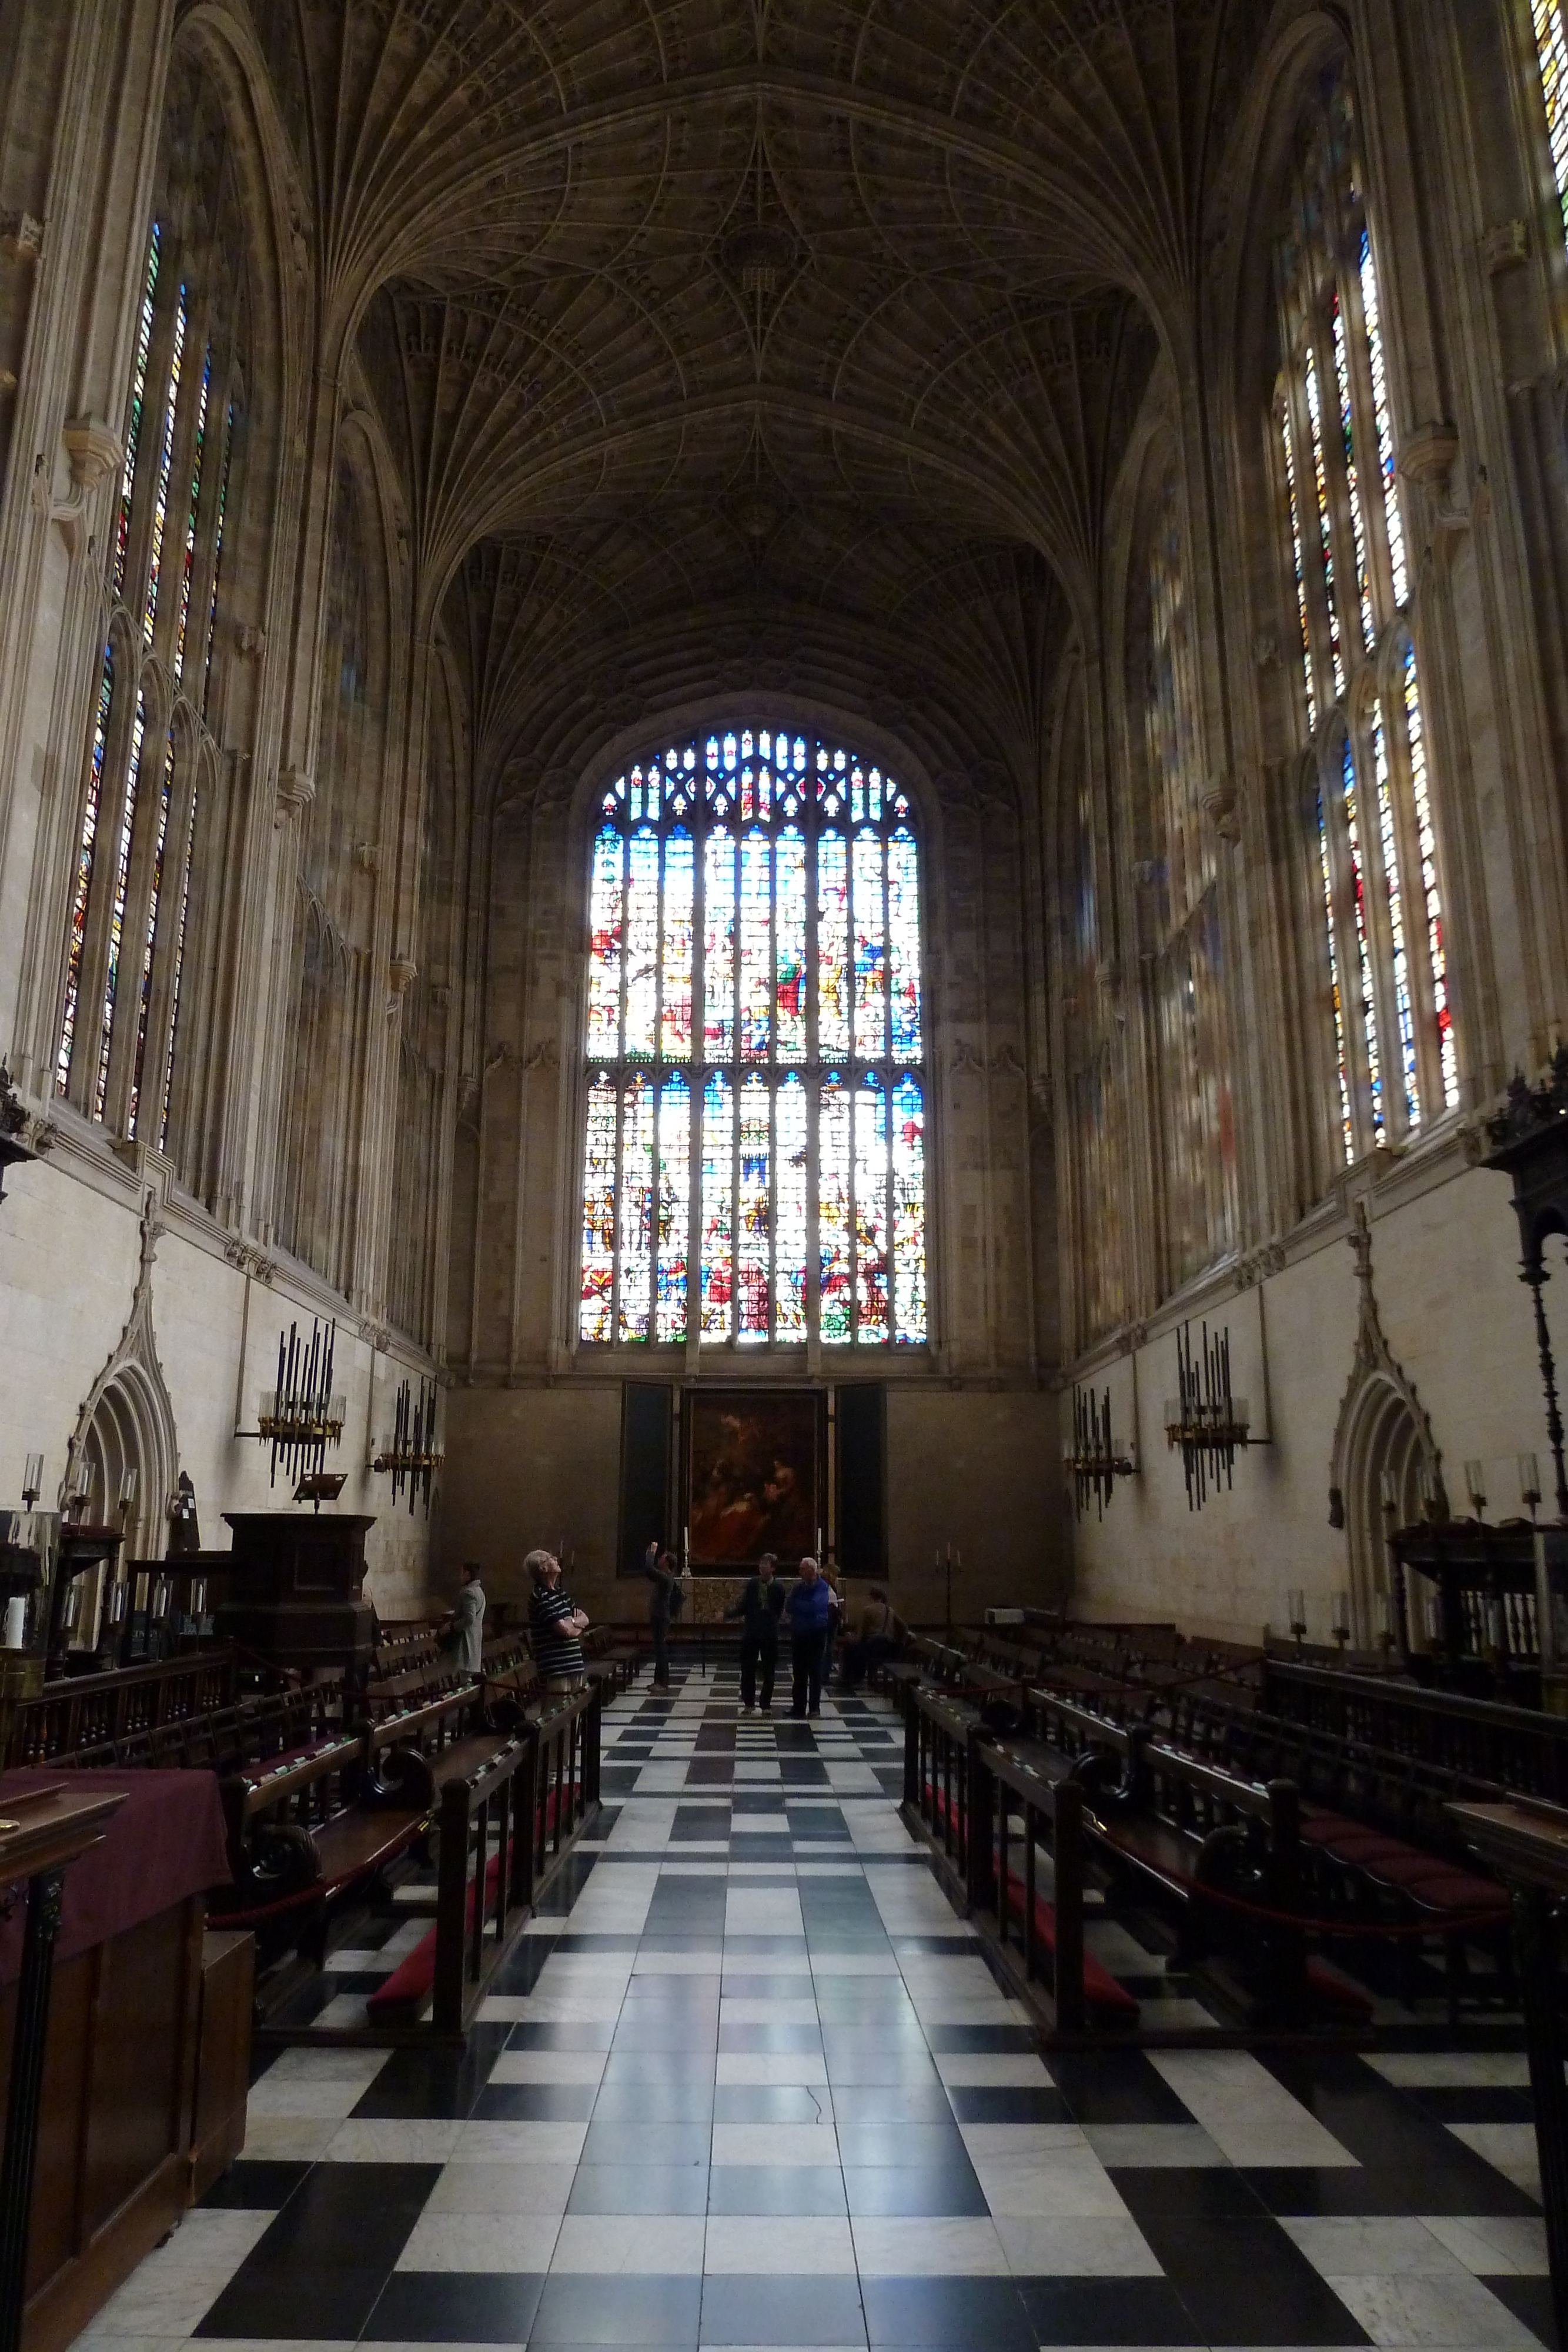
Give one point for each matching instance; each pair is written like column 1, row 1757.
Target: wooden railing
column 1511, row 1747
column 503, row 1830
column 90, row 1711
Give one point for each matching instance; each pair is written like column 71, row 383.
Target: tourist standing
column 463, row 1635
column 808, row 1608
column 879, row 1636
column 663, row 1602
column 556, row 1625
column 759, row 1609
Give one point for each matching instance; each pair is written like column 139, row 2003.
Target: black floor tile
column 591, row 2034
column 457, row 2307
column 980, row 2039
column 258, row 2185
column 536, row 2103
column 1115, row 2087
column 769, row 1951
column 1530, row 2300
column 520, row 1971
column 986, row 2315
column 1203, row 2192
column 639, row 2189
column 295, row 2281
column 301, row 2301
column 1483, row 2103
column 780, row 2308
column 784, row 2188
column 1245, row 2282
column 613, row 2308
column 912, row 2189
column 1092, row 2311
column 1373, row 2191
column 897, row 2143
column 995, row 2102
column 774, row 1984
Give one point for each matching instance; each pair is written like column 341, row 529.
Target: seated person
column 881, row 1632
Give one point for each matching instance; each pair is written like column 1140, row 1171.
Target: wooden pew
column 97, row 1711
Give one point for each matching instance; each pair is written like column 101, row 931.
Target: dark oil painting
column 752, row 1476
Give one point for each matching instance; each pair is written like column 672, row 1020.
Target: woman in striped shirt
column 556, row 1625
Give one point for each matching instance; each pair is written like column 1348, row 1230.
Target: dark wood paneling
column 646, row 1513
column 860, row 1427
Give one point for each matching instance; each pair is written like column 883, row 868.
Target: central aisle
column 752, row 2083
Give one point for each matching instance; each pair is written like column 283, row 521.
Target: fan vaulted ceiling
column 772, row 342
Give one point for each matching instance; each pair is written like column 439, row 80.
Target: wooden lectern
column 295, row 1592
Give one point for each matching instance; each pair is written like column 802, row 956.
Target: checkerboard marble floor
column 748, row 2081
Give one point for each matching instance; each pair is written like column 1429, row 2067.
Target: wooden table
column 1526, row 1843
column 40, row 1833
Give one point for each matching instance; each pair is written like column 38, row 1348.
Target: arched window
column 1552, row 56
column 132, row 889
column 1185, row 968
column 1376, row 851
column 754, row 1165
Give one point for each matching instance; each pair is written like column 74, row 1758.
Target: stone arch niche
column 127, row 1422
column 1383, row 1432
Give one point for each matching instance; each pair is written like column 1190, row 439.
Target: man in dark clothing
column 808, row 1608
column 759, row 1609
column 664, row 1601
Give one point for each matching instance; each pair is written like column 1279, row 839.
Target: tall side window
column 754, row 1153
column 1552, row 57
column 1384, row 956
column 1194, row 1095
column 126, row 937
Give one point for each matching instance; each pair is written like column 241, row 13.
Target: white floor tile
column 928, row 2247
column 527, row 2191
column 1449, row 2070
column 524, row 2143
column 641, row 2244
column 1510, row 2146
column 1247, row 2114
column 1449, row 2311
column 1076, row 2246
column 549, row 2066
column 775, row 2144
column 1155, row 2146
column 392, row 2142
column 1393, row 2247
column 480, row 2241
column 1005, row 2069
column 767, row 2066
column 762, row 2244
column 1493, row 2244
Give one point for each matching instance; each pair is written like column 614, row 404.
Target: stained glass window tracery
column 1552, row 56
column 755, row 1139
column 1375, row 845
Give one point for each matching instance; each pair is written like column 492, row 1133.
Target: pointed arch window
column 754, row 1150
column 1552, row 58
column 1383, row 955
column 130, row 890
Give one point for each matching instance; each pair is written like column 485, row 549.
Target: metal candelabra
column 1204, row 1419
column 301, row 1417
column 412, row 1457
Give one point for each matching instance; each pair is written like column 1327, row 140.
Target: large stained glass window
column 754, row 1149
column 1384, row 970
column 1551, row 55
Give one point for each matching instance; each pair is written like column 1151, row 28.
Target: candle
column 1390, row 1493
column 32, row 1483
column 1529, row 1481
column 1384, row 1618
column 1342, row 1616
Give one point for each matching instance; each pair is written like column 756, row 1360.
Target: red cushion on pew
column 1101, row 1989
column 409, row 1985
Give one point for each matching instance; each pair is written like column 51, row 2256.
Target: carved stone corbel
column 296, row 791
column 1221, row 807
column 93, row 449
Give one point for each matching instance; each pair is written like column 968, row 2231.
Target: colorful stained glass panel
column 1427, row 839
column 909, row 1211
column 674, row 1206
column 138, row 406
column 792, row 1166
column 84, row 870
column 754, row 1235
column 904, row 944
column 642, row 944
column 833, row 947
column 789, row 932
column 717, row 1206
column 1404, row 1010
column 836, row 1310
column 676, row 1011
column 871, row 947
column 636, row 1207
column 595, row 1312
column 719, row 946
column 871, row 1212
column 606, row 907
column 755, row 946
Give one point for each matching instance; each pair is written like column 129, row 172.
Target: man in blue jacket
column 808, row 1609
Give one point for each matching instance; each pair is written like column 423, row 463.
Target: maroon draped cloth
column 165, row 1843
